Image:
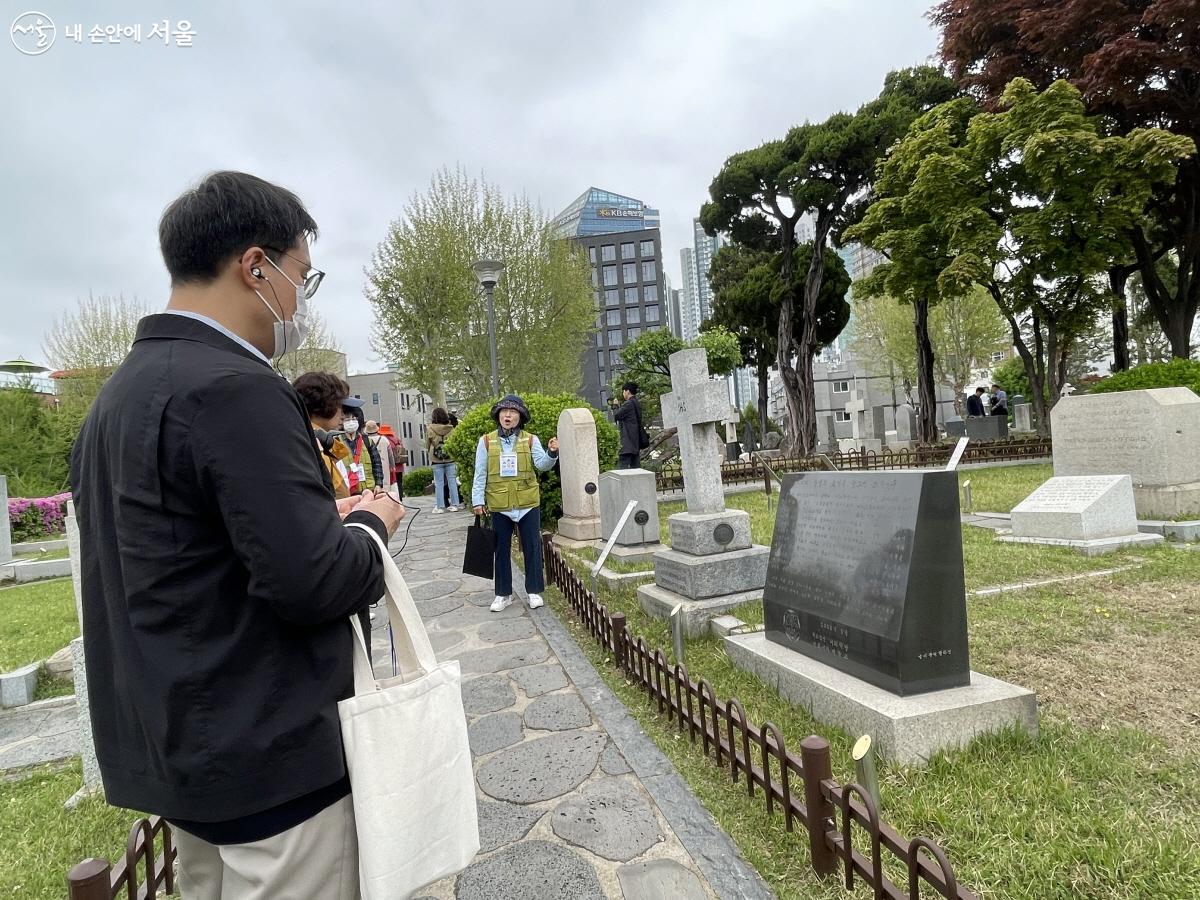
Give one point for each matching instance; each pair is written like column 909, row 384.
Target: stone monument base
column 580, row 529
column 696, row 614
column 572, row 544
column 853, row 445
column 907, row 730
column 631, row 553
column 1168, row 501
column 707, row 533
column 1092, row 547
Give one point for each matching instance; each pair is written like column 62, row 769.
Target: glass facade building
column 624, row 246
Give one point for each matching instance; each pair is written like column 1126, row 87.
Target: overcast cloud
column 354, row 106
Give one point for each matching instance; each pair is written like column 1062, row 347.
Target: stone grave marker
column 956, row 427
column 638, row 539
column 579, row 472
column 906, row 425
column 987, row 428
column 712, row 565
column 865, row 609
column 5, row 526
column 1092, row 513
column 862, row 421
column 87, row 745
column 1022, row 417
column 1150, row 435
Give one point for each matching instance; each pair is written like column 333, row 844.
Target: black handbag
column 480, row 556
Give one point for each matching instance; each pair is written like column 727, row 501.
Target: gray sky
column 355, row 108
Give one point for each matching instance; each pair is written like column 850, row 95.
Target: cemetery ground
column 1101, row 804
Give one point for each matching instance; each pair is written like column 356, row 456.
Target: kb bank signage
column 616, row 212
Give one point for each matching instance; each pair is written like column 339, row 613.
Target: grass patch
column 1100, row 805
column 51, row 686
column 36, row 621
column 42, row 841
column 1001, row 488
column 46, row 554
column 621, row 567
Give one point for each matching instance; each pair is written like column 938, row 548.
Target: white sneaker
column 451, row 509
column 535, row 600
column 438, row 509
column 501, row 603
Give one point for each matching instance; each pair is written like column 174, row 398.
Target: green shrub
column 1176, row 373
column 417, row 481
column 543, row 421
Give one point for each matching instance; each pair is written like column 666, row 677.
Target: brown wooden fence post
column 618, row 627
column 548, row 556
column 814, row 755
column 89, row 880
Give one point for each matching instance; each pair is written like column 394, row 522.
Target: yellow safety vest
column 514, row 492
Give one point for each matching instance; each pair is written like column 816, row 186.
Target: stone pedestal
column 853, row 445
column 87, row 747
column 908, row 730
column 579, row 472
column 956, row 427
column 617, row 488
column 5, row 527
column 987, row 428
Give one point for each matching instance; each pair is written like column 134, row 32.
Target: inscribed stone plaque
column 866, row 575
column 1078, row 508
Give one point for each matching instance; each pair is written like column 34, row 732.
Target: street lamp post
column 487, row 271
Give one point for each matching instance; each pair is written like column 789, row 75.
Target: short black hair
column 439, row 416
column 630, row 386
column 322, row 393
column 979, row 390
column 221, row 217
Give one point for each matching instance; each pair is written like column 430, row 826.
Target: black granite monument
column 866, row 575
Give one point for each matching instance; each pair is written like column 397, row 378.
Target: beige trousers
column 315, row 859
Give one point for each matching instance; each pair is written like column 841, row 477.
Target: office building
column 407, row 410
column 689, row 296
column 624, row 246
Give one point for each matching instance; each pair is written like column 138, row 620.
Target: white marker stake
column 957, row 454
column 613, row 539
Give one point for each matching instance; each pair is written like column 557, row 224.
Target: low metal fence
column 96, row 879
column 669, row 478
column 827, row 810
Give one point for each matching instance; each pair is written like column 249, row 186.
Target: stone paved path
column 38, row 733
column 574, row 801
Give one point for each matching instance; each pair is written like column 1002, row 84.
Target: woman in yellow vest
column 506, row 465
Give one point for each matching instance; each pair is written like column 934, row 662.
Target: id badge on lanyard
column 508, row 465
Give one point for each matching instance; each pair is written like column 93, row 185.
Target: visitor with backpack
column 445, row 470
column 506, row 485
column 628, row 417
column 383, row 449
column 399, row 457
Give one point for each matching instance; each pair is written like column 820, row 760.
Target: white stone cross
column 694, row 407
column 858, row 416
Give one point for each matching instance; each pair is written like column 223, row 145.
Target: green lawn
column 42, row 841
column 591, row 555
column 47, row 554
column 1000, row 489
column 36, row 621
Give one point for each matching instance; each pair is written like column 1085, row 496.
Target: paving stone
column 502, row 823
column 506, row 630
column 506, row 656
column 491, row 733
column 483, row 598
column 444, row 640
column 531, row 870
column 470, row 616
column 557, row 712
column 611, row 818
column 659, row 878
column 439, row 606
column 487, row 694
column 541, row 769
column 612, row 762
column 538, row 680
column 434, row 589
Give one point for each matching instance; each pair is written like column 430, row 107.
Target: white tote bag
column 406, row 746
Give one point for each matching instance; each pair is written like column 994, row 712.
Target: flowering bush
column 37, row 518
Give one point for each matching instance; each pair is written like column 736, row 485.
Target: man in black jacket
column 628, row 417
column 218, row 578
column 975, row 404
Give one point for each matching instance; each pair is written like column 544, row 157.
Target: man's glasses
column 311, row 279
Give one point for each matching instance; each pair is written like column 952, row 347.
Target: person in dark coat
column 975, row 403
column 628, row 417
column 218, row 579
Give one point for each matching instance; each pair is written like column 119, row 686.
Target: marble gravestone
column 712, row 565
column 1092, row 513
column 579, row 472
column 906, row 426
column 5, row 526
column 865, row 608
column 866, row 575
column 1150, row 435
column 638, row 540
column 956, row 427
column 1022, row 417
column 863, row 422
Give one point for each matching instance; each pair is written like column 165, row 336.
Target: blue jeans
column 445, row 475
column 530, row 530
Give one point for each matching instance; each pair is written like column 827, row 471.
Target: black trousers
column 629, row 460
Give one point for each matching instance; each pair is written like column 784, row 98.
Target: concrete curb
column 713, row 851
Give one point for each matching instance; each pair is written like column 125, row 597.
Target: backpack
column 438, row 452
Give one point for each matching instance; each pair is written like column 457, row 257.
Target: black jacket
column 217, row 581
column 628, row 417
column 974, row 405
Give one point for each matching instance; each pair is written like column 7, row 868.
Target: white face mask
column 350, row 426
column 289, row 335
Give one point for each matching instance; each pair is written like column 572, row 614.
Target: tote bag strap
column 414, row 653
